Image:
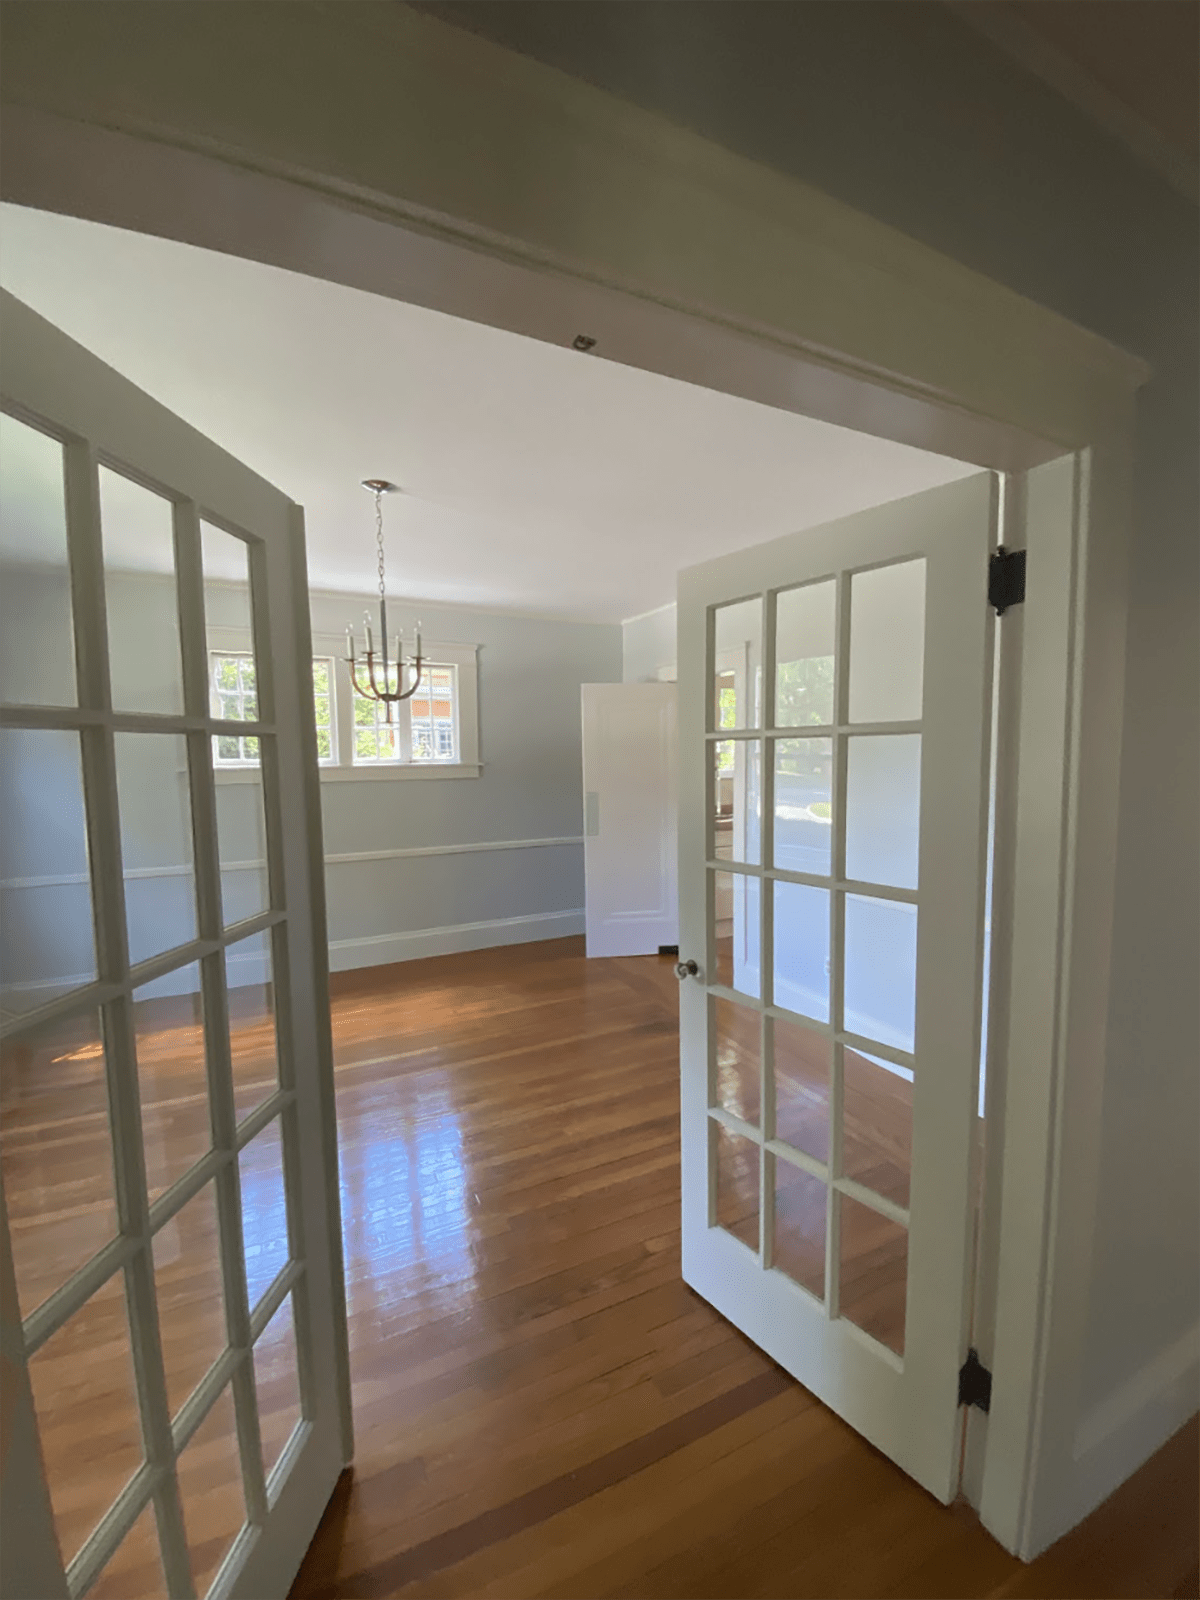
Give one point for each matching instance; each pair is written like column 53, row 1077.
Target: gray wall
column 388, row 907
column 648, row 646
column 903, row 111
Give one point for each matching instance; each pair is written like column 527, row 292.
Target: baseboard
column 344, row 954
column 1126, row 1428
column 383, row 948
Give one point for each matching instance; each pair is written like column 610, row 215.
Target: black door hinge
column 974, row 1382
column 1006, row 579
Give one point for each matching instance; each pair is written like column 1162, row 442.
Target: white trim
column 402, row 770
column 339, row 859
column 331, row 772
column 346, row 857
column 383, row 948
column 1129, row 1425
column 1168, row 1382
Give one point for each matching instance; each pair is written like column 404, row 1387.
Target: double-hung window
column 233, row 691
column 423, row 730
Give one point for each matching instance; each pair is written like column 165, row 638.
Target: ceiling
column 535, row 478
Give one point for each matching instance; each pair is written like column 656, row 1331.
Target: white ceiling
column 536, row 478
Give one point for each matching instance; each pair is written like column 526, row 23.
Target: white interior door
column 174, row 1375
column 630, row 847
column 834, row 692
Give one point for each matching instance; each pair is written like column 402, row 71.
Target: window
column 323, row 709
column 234, row 697
column 433, row 734
column 422, row 729
column 432, row 711
column 376, row 740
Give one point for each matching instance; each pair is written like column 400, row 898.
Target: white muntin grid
column 838, row 886
column 110, row 996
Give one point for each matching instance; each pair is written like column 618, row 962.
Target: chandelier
column 373, row 689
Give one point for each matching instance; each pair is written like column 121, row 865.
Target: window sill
column 336, row 774
column 432, row 769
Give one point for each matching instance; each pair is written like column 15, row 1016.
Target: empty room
column 566, row 882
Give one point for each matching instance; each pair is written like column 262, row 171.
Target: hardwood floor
column 542, row 1407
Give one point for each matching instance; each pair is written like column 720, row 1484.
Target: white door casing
column 630, row 850
column 905, row 1403
column 58, row 388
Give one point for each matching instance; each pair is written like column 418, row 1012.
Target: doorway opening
column 439, row 1207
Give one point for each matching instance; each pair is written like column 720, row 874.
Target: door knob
column 686, row 969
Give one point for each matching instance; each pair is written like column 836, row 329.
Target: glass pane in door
column 737, row 665
column 799, row 1241
column 736, row 1058
column 87, row 1410
column 57, row 1151
column 225, row 560
column 47, row 944
column 803, row 839
column 190, row 1294
column 737, row 1166
column 736, row 931
column 135, row 1567
column 156, row 842
column 883, row 808
column 887, row 643
column 264, row 1210
column 877, row 1107
column 881, row 970
column 242, row 839
column 253, row 1040
column 873, row 1272
column 801, row 1069
column 37, row 640
column 210, row 1487
column 802, row 949
column 277, row 1383
column 737, row 801
column 804, row 655
column 168, row 1022
column 138, row 532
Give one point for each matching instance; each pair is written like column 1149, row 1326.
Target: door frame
column 682, row 258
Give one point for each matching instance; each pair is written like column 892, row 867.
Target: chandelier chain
column 379, row 537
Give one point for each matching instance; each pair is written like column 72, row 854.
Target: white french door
column 834, row 697
column 174, row 1375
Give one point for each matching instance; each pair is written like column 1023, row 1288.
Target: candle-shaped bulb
column 350, row 643
column 367, row 631
column 418, row 638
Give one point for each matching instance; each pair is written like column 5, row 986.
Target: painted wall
column 648, row 646
column 384, row 905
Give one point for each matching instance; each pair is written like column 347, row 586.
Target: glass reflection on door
column 799, row 1100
